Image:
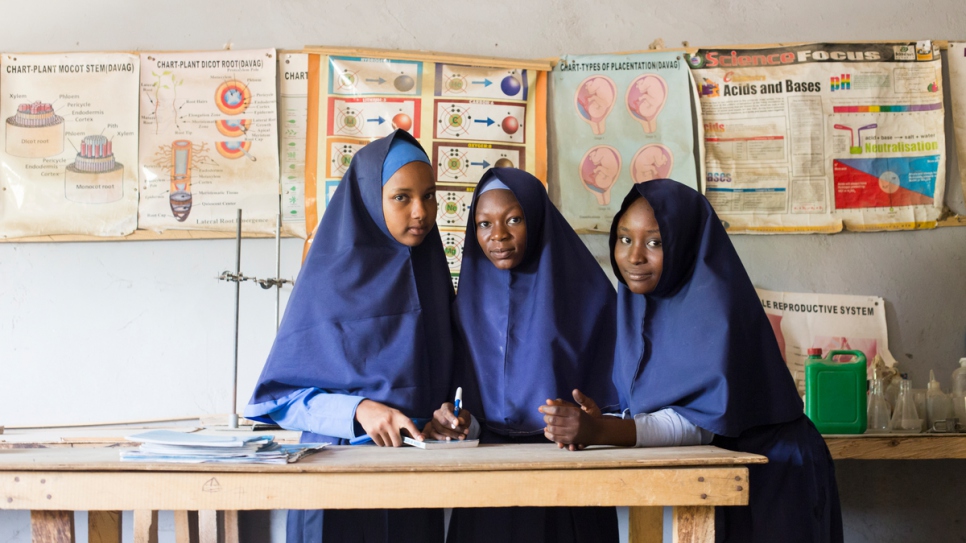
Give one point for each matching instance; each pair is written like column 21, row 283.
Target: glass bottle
column 879, row 413
column 938, row 405
column 905, row 418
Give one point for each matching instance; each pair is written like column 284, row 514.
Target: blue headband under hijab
column 496, row 184
column 401, row 152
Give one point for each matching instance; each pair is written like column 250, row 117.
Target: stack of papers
column 179, row 447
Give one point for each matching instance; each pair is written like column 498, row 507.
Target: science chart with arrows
column 467, row 118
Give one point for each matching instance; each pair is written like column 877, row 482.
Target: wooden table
column 52, row 483
column 897, row 446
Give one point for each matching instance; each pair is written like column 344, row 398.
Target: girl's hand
column 446, row 426
column 569, row 425
column 385, row 424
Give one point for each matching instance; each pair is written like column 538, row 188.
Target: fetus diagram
column 599, row 170
column 645, row 99
column 594, row 100
column 652, row 161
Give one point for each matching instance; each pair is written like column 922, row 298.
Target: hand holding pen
column 450, row 421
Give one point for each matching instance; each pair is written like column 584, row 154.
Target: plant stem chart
column 69, row 144
column 208, row 140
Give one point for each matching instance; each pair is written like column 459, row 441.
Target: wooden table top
column 345, row 459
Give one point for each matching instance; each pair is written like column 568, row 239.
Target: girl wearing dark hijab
column 365, row 344
column 535, row 313
column 697, row 362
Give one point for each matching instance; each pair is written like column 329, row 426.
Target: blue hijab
column 368, row 316
column 541, row 329
column 700, row 343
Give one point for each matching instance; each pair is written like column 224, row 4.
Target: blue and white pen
column 457, row 403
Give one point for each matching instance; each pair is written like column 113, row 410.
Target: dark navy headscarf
column 541, row 329
column 700, row 343
column 368, row 316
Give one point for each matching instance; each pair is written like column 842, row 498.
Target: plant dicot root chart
column 209, row 140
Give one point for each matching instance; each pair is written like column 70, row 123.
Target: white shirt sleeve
column 666, row 428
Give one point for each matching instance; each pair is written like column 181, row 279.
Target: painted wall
column 122, row 331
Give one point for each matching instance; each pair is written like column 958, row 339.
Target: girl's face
column 409, row 203
column 501, row 228
column 638, row 251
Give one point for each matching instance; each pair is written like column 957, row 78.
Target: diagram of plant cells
column 466, row 162
column 233, row 128
column 372, row 117
column 355, row 76
column 453, row 205
column 479, row 120
column 235, row 149
column 453, row 248
column 35, row 131
column 339, row 153
column 178, row 159
column 94, row 177
column 233, row 97
column 475, row 82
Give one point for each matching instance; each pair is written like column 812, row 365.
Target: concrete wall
column 68, row 311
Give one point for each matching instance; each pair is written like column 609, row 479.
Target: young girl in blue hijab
column 535, row 313
column 697, row 362
column 365, row 344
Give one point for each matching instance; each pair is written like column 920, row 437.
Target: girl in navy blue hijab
column 697, row 362
column 365, row 344
column 535, row 313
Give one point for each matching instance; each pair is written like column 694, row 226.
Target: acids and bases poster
column 619, row 120
column 467, row 117
column 956, row 56
column 293, row 76
column 811, row 138
column 68, row 145
column 208, row 141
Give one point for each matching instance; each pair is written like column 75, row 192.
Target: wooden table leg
column 645, row 525
column 186, row 527
column 693, row 525
column 52, row 526
column 145, row 526
column 208, row 526
column 231, row 526
column 104, row 526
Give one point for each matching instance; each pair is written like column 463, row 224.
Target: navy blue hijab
column 368, row 316
column 541, row 329
column 700, row 343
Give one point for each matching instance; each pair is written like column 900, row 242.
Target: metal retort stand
column 238, row 278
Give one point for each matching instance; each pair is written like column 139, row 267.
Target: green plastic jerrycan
column 835, row 392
